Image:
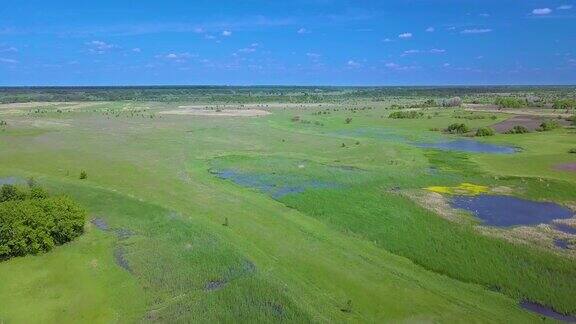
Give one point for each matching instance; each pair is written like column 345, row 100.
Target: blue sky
column 297, row 42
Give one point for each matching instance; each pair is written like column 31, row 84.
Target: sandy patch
column 73, row 105
column 218, row 113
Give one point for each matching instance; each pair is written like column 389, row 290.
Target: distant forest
column 268, row 94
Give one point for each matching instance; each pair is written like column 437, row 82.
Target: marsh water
column 546, row 311
column 467, row 145
column 275, row 185
column 504, row 211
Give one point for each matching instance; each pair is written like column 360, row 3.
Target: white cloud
column 302, row 31
column 437, row 51
column 226, row 33
column 177, row 57
column 412, row 51
column 398, row 67
column 136, row 50
column 199, row 30
column 100, row 47
column 541, row 11
column 352, row 63
column 8, row 49
column 405, row 35
column 8, row 61
column 430, row 29
column 485, row 15
column 314, row 56
column 565, row 7
column 387, row 40
column 446, row 64
column 476, row 31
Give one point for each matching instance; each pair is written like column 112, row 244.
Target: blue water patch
column 565, row 228
column 562, row 243
column 546, row 311
column 467, row 145
column 505, row 211
column 9, row 180
column 274, row 185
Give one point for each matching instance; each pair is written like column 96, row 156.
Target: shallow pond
column 546, row 311
column 565, row 228
column 275, row 185
column 467, row 145
column 504, row 211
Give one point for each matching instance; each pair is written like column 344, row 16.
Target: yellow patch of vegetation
column 465, row 188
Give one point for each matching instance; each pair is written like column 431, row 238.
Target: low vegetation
column 565, row 103
column 484, row 131
column 32, row 222
column 548, row 126
column 518, row 129
column 406, row 114
column 510, row 102
column 457, row 128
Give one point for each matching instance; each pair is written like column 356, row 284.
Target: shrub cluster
column 32, row 222
column 457, row 128
column 548, row 126
column 510, row 102
column 518, row 129
column 567, row 103
column 410, row 114
column 484, row 131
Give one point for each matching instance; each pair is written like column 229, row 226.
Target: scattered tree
column 83, row 175
column 484, row 131
column 457, row 128
column 518, row 129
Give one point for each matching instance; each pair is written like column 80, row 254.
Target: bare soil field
column 531, row 122
column 518, row 111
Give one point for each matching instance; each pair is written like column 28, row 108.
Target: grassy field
column 320, row 222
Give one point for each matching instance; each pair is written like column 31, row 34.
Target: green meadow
column 309, row 213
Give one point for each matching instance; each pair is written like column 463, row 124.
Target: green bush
column 548, row 125
column 457, row 128
column 31, row 222
column 573, row 150
column 484, row 131
column 410, row 114
column 518, row 129
column 510, row 102
column 567, row 103
column 83, row 175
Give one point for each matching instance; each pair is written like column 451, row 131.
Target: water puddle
column 120, row 258
column 504, row 211
column 245, row 269
column 274, row 185
column 546, row 311
column 562, row 244
column 565, row 228
column 467, row 145
column 9, row 181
